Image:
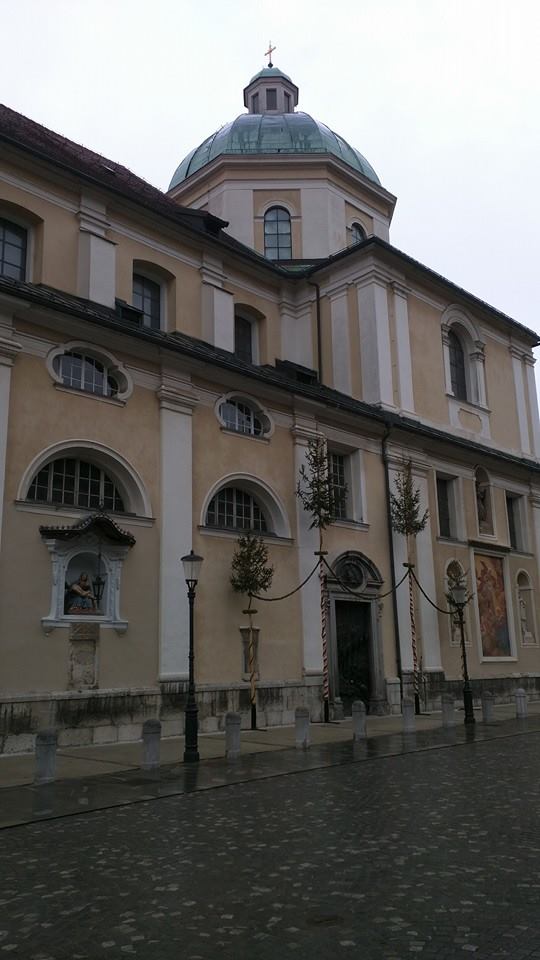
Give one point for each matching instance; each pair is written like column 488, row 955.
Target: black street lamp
column 192, row 567
column 458, row 594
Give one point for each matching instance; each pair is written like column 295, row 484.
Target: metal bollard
column 521, row 704
column 232, row 735
column 409, row 719
column 447, row 705
column 301, row 723
column 46, row 743
column 151, row 735
column 358, row 720
column 488, row 715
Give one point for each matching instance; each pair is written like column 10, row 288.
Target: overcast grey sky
column 441, row 96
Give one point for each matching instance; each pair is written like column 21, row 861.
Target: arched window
column 147, row 297
column 13, row 244
column 235, row 509
column 277, row 234
column 458, row 377
column 357, row 233
column 82, row 372
column 72, row 482
column 243, row 339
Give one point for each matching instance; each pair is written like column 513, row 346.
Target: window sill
column 64, row 623
column 452, row 540
column 469, row 404
column 246, row 436
column 351, row 524
column 234, row 534
column 115, row 401
column 78, row 513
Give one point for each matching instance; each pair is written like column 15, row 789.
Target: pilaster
column 533, row 403
column 425, row 571
column 8, row 351
column 308, row 543
column 217, row 306
column 176, row 407
column 341, row 347
column 375, row 355
column 403, row 348
column 96, row 271
column 519, row 387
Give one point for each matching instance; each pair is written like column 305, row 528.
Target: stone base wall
column 112, row 716
column 433, row 685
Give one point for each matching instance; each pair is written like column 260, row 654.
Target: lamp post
column 192, row 566
column 458, row 593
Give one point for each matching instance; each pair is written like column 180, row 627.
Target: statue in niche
column 526, row 634
column 482, row 506
column 79, row 597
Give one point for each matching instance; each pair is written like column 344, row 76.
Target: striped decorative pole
column 324, row 637
column 413, row 645
column 252, row 670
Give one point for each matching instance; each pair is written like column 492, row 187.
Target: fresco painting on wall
column 492, row 606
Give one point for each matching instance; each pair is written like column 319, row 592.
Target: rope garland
column 291, row 592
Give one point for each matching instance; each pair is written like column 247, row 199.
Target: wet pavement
column 426, row 845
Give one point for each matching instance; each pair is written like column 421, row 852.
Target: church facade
column 165, row 360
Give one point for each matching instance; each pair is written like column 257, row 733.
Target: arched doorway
column 356, row 669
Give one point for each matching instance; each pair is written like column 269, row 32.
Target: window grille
column 13, row 242
column 147, row 297
column 234, row 509
column 77, row 483
column 277, row 234
column 81, row 372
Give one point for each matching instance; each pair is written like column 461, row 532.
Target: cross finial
column 269, row 53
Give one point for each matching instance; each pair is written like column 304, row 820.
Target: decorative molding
column 9, row 350
column 171, row 399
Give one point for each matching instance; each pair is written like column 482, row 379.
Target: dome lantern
column 270, row 91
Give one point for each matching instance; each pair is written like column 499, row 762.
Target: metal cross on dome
column 269, row 53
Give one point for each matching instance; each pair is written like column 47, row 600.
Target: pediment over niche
column 98, row 523
column 356, row 572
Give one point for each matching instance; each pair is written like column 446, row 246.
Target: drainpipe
column 384, row 452
column 319, row 335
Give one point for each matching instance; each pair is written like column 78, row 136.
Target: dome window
column 277, row 234
column 12, row 250
column 271, row 99
column 458, row 376
column 357, row 233
column 255, row 103
column 147, row 297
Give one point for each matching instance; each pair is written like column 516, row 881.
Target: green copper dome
column 253, row 134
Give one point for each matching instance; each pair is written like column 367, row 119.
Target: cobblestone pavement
column 433, row 854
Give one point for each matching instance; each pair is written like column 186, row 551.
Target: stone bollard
column 447, row 705
column 301, row 723
column 409, row 719
column 232, row 735
column 488, row 715
column 151, row 736
column 45, row 769
column 521, row 704
column 358, row 720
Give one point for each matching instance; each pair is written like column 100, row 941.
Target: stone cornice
column 400, row 289
column 8, row 351
column 172, row 399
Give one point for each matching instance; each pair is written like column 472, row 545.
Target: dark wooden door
column 353, row 630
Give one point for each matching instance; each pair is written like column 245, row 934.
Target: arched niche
column 526, row 609
column 484, row 502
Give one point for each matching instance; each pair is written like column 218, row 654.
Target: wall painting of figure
column 492, row 606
